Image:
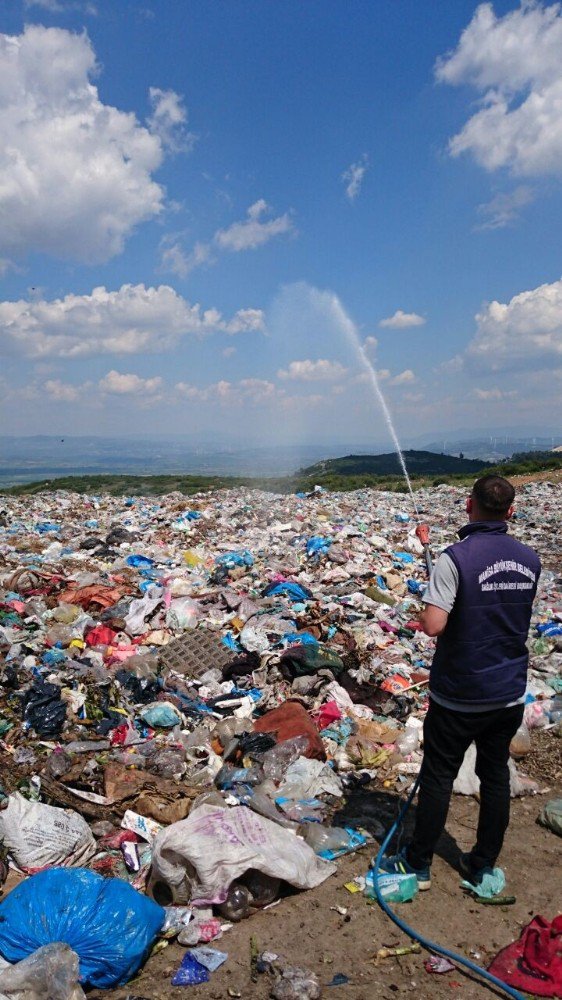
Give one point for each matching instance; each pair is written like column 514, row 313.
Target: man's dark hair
column 494, row 496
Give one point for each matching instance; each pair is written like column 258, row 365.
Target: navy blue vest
column 482, row 657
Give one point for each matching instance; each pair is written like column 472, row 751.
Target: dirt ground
column 306, row 929
column 549, row 476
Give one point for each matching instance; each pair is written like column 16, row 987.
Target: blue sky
column 193, row 195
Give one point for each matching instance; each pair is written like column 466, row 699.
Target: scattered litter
column 191, row 694
column 438, row 964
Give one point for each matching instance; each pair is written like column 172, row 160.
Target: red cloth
column 288, row 720
column 101, row 635
column 326, row 714
column 534, row 962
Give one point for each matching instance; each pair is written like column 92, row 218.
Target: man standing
column 478, row 604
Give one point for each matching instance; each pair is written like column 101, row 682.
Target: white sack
column 202, row 855
column 38, row 836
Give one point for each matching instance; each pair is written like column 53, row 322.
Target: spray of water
column 351, row 333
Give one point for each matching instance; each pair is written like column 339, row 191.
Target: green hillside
column 350, row 473
column 419, row 463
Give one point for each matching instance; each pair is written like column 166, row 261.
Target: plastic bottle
column 62, row 634
column 277, row 760
column 521, row 742
column 238, row 904
column 253, row 891
column 325, row 838
column 263, row 889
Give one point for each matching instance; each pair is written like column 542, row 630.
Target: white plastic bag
column 183, row 613
column 50, row 973
column 467, row 781
column 141, row 609
column 197, row 859
column 39, row 836
column 307, row 779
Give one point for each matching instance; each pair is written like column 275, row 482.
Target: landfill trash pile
column 189, row 692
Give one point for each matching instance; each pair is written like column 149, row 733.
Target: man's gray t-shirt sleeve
column 443, row 585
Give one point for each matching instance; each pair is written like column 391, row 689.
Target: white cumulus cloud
column 253, row 231
column 515, row 63
column 127, row 384
column 353, row 177
column 524, row 332
column 132, row 319
column 75, row 173
column 402, row 320
column 254, row 391
column 168, row 119
column 312, row 371
column 61, row 392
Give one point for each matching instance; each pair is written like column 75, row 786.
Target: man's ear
column 468, row 506
column 510, row 513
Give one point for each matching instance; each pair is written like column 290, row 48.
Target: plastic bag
column 408, row 741
column 468, row 783
column 198, row 858
column 551, row 816
column 296, row 984
column 307, row 779
column 277, row 760
column 190, row 973
column 109, row 925
column 161, row 715
column 521, row 742
column 50, row 973
column 38, row 836
column 183, row 613
column 44, row 711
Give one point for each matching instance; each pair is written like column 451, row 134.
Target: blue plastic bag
column 232, row 559
column 549, row 629
column 294, row 591
column 137, row 560
column 190, row 972
column 109, row 925
column 318, row 546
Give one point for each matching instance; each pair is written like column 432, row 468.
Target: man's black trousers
column 447, row 736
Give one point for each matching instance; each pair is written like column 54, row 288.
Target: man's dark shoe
column 470, row 874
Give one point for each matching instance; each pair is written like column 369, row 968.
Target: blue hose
column 425, row 942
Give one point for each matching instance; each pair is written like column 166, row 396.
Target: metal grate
column 196, row 652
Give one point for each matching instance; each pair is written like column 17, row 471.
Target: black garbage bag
column 43, row 708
